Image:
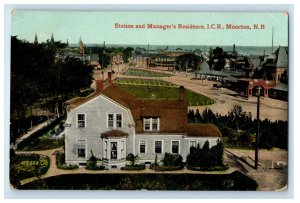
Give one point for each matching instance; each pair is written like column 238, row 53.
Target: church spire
column 35, row 39
column 81, row 46
column 52, row 38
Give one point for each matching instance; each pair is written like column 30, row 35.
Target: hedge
column 135, row 167
column 60, row 162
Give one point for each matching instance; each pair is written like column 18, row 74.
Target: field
column 149, row 89
column 146, row 73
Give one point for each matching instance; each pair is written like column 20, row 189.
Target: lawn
column 148, row 89
column 146, row 73
column 24, row 166
column 46, row 138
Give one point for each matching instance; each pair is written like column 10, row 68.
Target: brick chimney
column 109, row 77
column 99, row 84
column 181, row 93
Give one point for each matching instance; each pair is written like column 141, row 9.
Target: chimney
column 181, row 93
column 109, row 77
column 99, row 85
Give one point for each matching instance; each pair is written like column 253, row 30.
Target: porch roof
column 114, row 134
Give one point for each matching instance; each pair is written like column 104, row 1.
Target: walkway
column 54, row 171
column 30, row 132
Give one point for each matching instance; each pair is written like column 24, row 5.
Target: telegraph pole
column 257, row 132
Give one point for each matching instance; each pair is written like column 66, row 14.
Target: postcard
column 111, row 100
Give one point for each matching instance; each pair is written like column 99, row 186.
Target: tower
column 81, row 47
column 52, row 38
column 35, row 39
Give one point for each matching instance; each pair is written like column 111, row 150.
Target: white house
column 113, row 123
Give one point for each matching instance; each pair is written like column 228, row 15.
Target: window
column 147, row 123
column 193, row 145
column 142, row 147
column 151, row 124
column 81, row 120
column 105, row 149
column 122, row 149
column 158, row 147
column 81, row 148
column 175, row 147
column 114, row 120
column 114, row 150
column 119, row 120
column 154, row 123
column 110, row 120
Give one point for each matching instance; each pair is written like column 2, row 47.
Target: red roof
column 114, row 134
column 203, row 130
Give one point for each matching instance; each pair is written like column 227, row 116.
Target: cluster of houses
column 247, row 75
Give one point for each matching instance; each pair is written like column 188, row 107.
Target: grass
column 45, row 141
column 147, row 89
column 145, row 73
column 26, row 166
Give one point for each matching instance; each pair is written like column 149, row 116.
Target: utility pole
column 257, row 132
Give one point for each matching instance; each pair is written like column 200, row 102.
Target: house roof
column 114, row 134
column 166, row 110
column 203, row 130
column 282, row 57
column 172, row 114
column 281, row 87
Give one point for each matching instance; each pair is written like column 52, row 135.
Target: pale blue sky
column 96, row 27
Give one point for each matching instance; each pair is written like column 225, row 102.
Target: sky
column 96, row 27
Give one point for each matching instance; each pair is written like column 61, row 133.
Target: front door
column 114, row 150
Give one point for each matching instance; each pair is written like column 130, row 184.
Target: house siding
column 96, row 111
column 167, row 139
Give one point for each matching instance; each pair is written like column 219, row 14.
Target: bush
column 136, row 167
column 165, row 168
column 132, row 159
column 60, row 162
column 206, row 157
column 213, row 168
column 92, row 163
column 172, row 159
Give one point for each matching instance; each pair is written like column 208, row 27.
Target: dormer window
column 151, row 124
column 81, row 120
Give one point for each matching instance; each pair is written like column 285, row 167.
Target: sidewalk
column 54, row 171
column 29, row 133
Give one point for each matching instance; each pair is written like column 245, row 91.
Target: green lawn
column 24, row 166
column 167, row 91
column 145, row 73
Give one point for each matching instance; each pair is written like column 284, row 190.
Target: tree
column 219, row 56
column 127, row 53
column 132, row 159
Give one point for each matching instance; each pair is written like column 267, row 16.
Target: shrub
column 165, row 168
column 60, row 162
column 172, row 159
column 134, row 167
column 132, row 159
column 92, row 163
column 206, row 157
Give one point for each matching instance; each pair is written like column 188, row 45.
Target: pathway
column 30, row 132
column 54, row 171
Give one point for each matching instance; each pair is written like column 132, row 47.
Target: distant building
column 274, row 67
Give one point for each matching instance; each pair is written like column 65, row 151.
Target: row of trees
column 40, row 78
column 239, row 128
